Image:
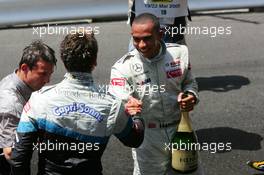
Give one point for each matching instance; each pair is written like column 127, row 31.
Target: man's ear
column 24, row 68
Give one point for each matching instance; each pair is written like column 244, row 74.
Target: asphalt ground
column 229, row 68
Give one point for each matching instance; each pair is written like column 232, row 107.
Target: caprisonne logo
column 77, row 108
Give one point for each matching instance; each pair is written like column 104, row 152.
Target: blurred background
column 24, row 12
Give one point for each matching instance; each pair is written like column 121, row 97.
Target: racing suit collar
column 158, row 57
column 22, row 87
column 79, row 78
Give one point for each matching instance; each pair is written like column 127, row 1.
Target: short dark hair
column 36, row 51
column 79, row 52
column 144, row 17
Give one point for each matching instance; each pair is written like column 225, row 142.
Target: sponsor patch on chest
column 173, row 64
column 174, row 73
column 118, row 81
column 173, row 68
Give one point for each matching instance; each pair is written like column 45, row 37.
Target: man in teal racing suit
column 71, row 122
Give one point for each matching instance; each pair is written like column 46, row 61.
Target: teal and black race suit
column 70, row 124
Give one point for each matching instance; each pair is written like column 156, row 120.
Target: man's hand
column 186, row 101
column 7, row 152
column 133, row 106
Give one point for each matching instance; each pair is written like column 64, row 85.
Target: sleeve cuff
column 194, row 94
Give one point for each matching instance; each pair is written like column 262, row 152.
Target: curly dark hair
column 79, row 52
column 36, row 51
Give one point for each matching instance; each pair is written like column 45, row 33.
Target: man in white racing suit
column 71, row 122
column 158, row 74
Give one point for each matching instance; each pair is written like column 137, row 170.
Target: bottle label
column 184, row 160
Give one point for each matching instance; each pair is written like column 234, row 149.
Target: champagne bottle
column 184, row 153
